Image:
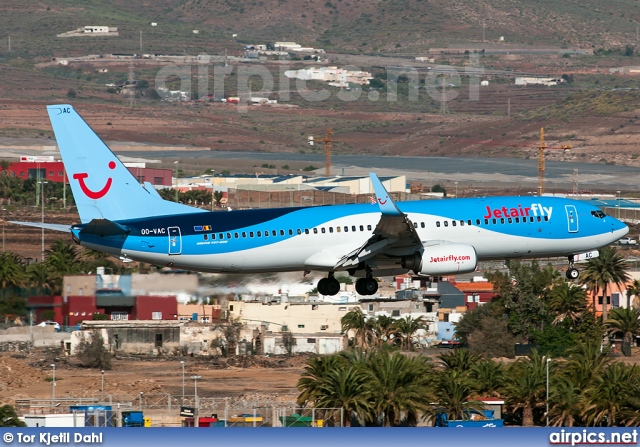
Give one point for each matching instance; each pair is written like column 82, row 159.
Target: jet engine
column 445, row 259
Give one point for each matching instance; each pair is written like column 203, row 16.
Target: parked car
column 627, row 241
column 56, row 326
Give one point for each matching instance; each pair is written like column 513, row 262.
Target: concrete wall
column 42, row 337
column 305, row 343
column 79, row 285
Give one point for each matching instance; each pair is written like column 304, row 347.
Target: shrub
column 92, row 353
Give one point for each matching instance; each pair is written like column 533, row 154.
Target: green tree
column 9, row 417
column 439, row 188
column 346, row 388
column 453, row 394
column 587, row 362
column 526, row 386
column 399, row 387
column 217, row 197
column 567, row 301
column 488, row 378
column 625, row 322
column 565, row 402
column 609, row 398
column 459, row 360
column 12, row 271
column 62, row 258
column 355, row 320
column 311, row 382
column 40, row 277
column 407, row 328
column 608, row 268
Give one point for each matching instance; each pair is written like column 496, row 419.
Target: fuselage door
column 175, row 241
column 572, row 218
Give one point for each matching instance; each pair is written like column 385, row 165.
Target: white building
column 538, row 81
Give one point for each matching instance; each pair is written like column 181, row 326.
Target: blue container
column 132, row 419
column 95, row 415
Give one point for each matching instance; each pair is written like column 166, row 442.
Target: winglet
column 385, row 202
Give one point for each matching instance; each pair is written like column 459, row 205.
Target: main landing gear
column 364, row 286
column 572, row 272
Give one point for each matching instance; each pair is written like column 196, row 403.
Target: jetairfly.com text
column 450, row 258
column 54, row 438
column 535, row 209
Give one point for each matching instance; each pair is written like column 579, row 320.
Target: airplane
column 131, row 221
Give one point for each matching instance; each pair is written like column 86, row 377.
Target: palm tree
column 453, row 393
column 627, row 322
column 382, row 329
column 587, row 362
column 565, row 402
column 609, row 398
column 62, row 258
column 312, row 380
column 12, row 270
column 40, row 276
column 346, row 388
column 408, row 326
column 459, row 359
column 609, row 267
column 356, row 321
column 567, row 301
column 525, row 386
column 9, row 417
column 633, row 289
column 399, row 386
column 488, row 378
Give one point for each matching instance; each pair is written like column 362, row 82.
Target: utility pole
column 140, row 43
column 483, row 29
column 327, row 152
column 42, row 199
column 508, row 106
column 9, row 43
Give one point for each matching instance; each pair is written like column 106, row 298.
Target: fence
column 166, row 407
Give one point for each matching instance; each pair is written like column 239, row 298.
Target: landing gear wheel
column 332, row 286
column 322, row 286
column 572, row 273
column 366, row 286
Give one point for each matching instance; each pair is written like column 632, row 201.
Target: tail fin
column 103, row 188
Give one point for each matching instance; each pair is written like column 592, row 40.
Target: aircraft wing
column 394, row 234
column 47, row 226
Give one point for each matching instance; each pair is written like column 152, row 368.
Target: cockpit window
column 599, row 214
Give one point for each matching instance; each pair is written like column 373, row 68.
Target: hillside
column 398, row 26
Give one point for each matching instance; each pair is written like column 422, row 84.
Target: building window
column 370, row 307
column 395, row 313
column 157, row 180
column 324, row 327
column 311, row 340
column 231, row 308
column 343, row 309
column 156, row 315
column 301, row 326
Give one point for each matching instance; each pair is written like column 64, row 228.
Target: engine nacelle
column 445, row 259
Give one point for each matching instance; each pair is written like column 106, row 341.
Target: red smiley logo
column 94, row 194
column 383, row 202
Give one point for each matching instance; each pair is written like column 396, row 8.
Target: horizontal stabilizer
column 104, row 227
column 47, row 226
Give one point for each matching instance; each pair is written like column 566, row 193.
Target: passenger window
column 517, row 220
column 221, row 235
column 531, row 219
column 330, row 229
column 323, row 230
column 259, row 233
column 244, row 234
column 206, row 237
column 299, row 231
column 346, row 229
column 266, row 233
column 415, row 225
column 462, row 223
column 361, row 227
column 469, row 222
column 369, row 227
column 486, row 221
column 546, row 218
column 446, row 224
column 315, row 231
column 274, row 233
column 502, row 220
column 228, row 235
column 539, row 219
column 306, row 231
column 495, row 221
column 453, row 223
column 213, row 236
column 250, row 233
column 290, row 232
column 438, row 224
column 353, row 228
column 338, row 229
column 421, row 224
column 478, row 221
column 510, row 220
column 236, row 235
